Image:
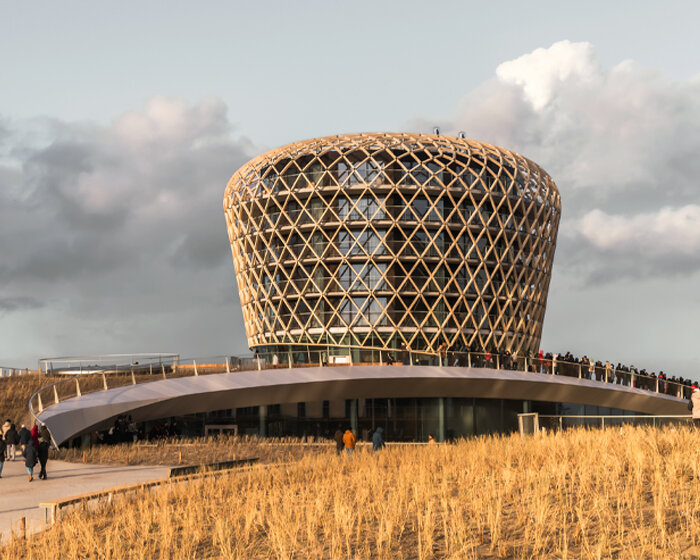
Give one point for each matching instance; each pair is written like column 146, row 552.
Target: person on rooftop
column 695, row 404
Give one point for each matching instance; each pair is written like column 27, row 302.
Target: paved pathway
column 20, row 498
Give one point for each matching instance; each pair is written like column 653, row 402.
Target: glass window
column 368, row 170
column 314, row 173
column 374, row 311
column 434, row 173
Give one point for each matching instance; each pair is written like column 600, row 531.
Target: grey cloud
column 621, row 140
column 123, row 224
column 20, row 303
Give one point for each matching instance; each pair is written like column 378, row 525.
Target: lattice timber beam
column 380, row 240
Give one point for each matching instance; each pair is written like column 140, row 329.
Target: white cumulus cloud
column 539, row 72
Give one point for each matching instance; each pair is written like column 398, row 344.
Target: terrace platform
column 189, row 395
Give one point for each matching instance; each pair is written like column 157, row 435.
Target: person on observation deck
column 695, row 403
column 442, row 352
column 405, row 358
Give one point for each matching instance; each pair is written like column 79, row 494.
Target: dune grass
column 195, row 451
column 14, row 396
column 629, row 493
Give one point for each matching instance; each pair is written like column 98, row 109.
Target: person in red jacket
column 35, row 436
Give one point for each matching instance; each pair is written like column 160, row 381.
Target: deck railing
column 308, row 356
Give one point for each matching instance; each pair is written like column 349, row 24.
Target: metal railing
column 11, row 372
column 561, row 422
column 107, row 363
column 295, row 355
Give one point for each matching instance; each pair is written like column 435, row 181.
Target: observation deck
column 158, row 398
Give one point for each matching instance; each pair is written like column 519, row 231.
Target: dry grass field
column 630, row 493
column 195, row 451
column 14, row 396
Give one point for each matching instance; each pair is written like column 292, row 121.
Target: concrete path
column 20, row 498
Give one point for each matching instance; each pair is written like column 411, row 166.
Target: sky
column 121, row 123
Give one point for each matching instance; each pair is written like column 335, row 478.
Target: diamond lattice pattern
column 382, row 239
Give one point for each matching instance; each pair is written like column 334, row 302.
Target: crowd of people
column 346, row 441
column 31, row 445
column 552, row 363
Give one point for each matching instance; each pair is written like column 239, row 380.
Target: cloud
column 22, row 303
column 662, row 243
column 621, row 143
column 122, row 224
column 541, row 71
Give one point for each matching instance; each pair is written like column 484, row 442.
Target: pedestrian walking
column 43, row 451
column 11, row 440
column 5, row 427
column 3, row 447
column 377, row 439
column 35, row 435
column 9, row 434
column 338, row 437
column 24, row 436
column 30, row 458
column 349, row 442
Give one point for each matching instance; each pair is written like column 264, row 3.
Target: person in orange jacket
column 349, row 441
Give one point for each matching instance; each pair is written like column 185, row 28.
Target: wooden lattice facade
column 379, row 240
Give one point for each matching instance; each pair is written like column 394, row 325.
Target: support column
column 441, row 419
column 527, row 406
column 353, row 417
column 85, row 441
column 262, row 410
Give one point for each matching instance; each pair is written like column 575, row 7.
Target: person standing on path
column 30, row 459
column 338, row 437
column 43, row 451
column 349, row 441
column 24, row 436
column 6, row 428
column 377, row 439
column 11, row 440
column 3, row 447
column 35, row 435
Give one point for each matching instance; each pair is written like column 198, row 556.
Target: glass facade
column 408, row 419
column 384, row 240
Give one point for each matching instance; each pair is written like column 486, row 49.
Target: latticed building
column 383, row 240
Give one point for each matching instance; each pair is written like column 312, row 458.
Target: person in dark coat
column 24, row 436
column 338, row 437
column 30, row 458
column 43, row 451
column 3, row 447
column 11, row 440
column 377, row 439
